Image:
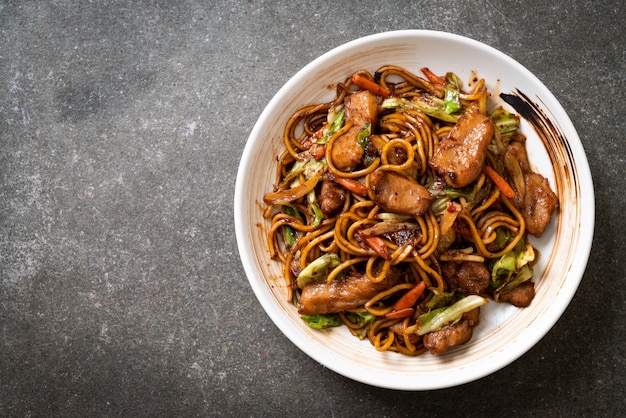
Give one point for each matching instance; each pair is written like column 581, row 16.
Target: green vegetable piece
column 440, row 204
column 525, row 273
column 363, row 320
column 296, row 169
column 507, row 270
column 322, row 321
column 503, row 235
column 503, row 269
column 290, row 235
column 439, row 299
column 318, row 269
column 452, row 102
column 337, row 123
column 364, row 136
column 363, row 139
column 318, row 215
column 438, row 318
column 431, row 105
column 312, row 167
column 504, row 121
column 444, row 194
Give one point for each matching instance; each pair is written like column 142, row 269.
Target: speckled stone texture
column 121, row 128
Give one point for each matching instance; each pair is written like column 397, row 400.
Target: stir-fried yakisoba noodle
column 402, row 206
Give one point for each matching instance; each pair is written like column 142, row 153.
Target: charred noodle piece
column 349, row 292
column 396, row 193
column 460, row 156
column 361, row 108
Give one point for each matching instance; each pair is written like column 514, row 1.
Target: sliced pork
column 439, row 341
column 460, row 156
column 332, row 195
column 521, row 296
column 341, row 294
column 533, row 195
column 396, row 193
column 466, row 277
column 361, row 108
column 452, row 335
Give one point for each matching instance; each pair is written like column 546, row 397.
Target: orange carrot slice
column 432, row 77
column 410, row 298
column 500, row 182
column 378, row 245
column 354, row 186
column 403, row 313
column 371, row 86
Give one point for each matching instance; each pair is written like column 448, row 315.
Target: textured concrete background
column 121, row 128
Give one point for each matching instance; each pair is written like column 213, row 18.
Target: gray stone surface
column 121, row 128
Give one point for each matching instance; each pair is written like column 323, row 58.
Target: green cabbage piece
column 364, row 135
column 505, row 122
column 364, row 320
column 431, row 105
column 336, row 118
column 513, row 268
column 439, row 299
column 444, row 194
column 438, row 318
column 311, row 169
column 290, row 235
column 451, row 100
column 321, row 321
column 318, row 269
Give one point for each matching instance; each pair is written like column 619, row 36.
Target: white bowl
column 505, row 332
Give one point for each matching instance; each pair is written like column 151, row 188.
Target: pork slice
column 332, row 195
column 534, row 197
column 460, row 156
column 521, row 296
column 473, row 316
column 518, row 151
column 466, row 276
column 361, row 108
column 399, row 194
column 539, row 203
column 346, row 152
column 349, row 292
column 440, row 341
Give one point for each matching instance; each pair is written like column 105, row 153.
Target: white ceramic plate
column 505, row 332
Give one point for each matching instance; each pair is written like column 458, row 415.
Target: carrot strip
column 378, row 245
column 354, row 186
column 500, row 182
column 369, row 85
column 432, row 77
column 402, row 313
column 410, row 298
column 317, row 151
